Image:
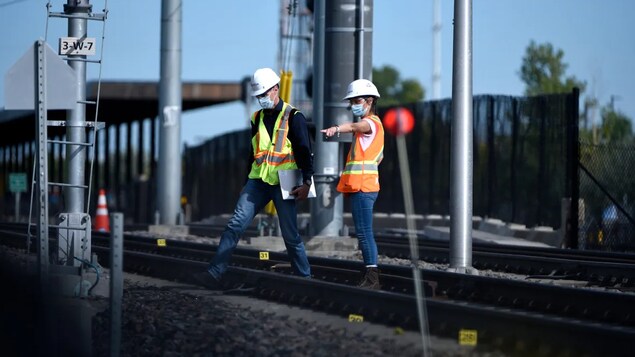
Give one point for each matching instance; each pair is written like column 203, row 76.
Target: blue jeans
column 253, row 198
column 362, row 207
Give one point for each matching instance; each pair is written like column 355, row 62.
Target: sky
column 228, row 40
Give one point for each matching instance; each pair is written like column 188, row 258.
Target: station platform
column 316, row 245
column 435, row 227
column 443, row 233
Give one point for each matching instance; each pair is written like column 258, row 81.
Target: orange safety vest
column 361, row 171
column 272, row 155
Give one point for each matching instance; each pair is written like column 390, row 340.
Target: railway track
column 507, row 314
column 596, row 268
column 603, row 269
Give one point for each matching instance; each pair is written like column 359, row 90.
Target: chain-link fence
column 607, row 197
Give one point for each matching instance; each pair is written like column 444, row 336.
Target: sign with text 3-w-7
column 77, row 46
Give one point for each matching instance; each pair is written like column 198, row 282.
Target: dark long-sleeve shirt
column 298, row 135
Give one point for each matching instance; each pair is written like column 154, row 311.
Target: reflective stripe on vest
column 361, row 170
column 271, row 156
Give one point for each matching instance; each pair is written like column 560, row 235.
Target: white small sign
column 77, row 46
column 171, row 115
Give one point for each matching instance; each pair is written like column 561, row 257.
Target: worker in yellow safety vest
column 280, row 141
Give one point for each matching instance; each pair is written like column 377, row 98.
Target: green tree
column 393, row 89
column 616, row 127
column 543, row 71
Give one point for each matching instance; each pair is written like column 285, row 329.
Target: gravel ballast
column 182, row 320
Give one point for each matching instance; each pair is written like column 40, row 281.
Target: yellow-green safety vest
column 271, row 156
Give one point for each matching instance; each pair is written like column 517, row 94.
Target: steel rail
column 586, row 304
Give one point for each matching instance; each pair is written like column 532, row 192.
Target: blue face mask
column 265, row 102
column 358, row 110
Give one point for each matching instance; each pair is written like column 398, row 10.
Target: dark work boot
column 207, row 280
column 370, row 279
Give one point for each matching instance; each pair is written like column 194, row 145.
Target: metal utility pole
column 76, row 118
column 326, row 208
column 170, row 98
column 346, row 56
column 436, row 51
column 74, row 244
column 461, row 161
column 322, row 205
column 359, row 42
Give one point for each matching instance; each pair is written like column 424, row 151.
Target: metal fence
column 215, row 172
column 522, row 158
column 607, row 197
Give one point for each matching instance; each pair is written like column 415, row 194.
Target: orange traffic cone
column 102, row 223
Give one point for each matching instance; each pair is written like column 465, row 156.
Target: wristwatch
column 307, row 182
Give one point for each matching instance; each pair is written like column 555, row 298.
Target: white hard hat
column 262, row 80
column 360, row 88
